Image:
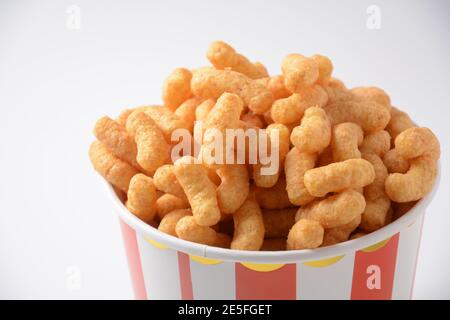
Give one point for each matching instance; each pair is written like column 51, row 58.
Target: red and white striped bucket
column 380, row 265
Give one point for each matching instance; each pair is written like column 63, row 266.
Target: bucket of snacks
column 332, row 209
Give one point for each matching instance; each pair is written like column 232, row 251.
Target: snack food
column 394, row 162
column 347, row 138
column 177, row 88
column 188, row 229
column 223, row 56
column 200, row 191
column 252, row 120
column 334, row 211
column 421, row 148
column 338, row 234
column 166, row 120
column 142, row 197
column 295, row 166
column 415, row 183
column 211, row 83
column 325, row 68
column 376, row 213
column 369, row 115
column 203, row 109
column 276, row 85
column 117, row 140
column 225, row 113
column 338, row 176
column 373, row 94
column 378, row 142
column 305, row 234
column 291, row 109
column 169, row 221
column 123, row 116
column 248, row 226
column 349, row 162
column 277, row 223
column 417, row 142
column 282, row 132
column 166, row 181
column 168, row 203
column 152, row 149
column 399, row 122
column 314, row 132
column 299, row 72
column 233, row 189
column 186, row 111
column 114, row 170
column 275, row 197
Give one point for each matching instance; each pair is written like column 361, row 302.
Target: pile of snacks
column 350, row 162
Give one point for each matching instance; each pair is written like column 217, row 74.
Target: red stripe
column 373, row 273
column 279, row 284
column 417, row 256
column 184, row 268
column 134, row 261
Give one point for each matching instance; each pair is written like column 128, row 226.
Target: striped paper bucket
column 380, row 265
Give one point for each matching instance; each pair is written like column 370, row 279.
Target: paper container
column 380, row 265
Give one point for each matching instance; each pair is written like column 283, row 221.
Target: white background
column 55, row 82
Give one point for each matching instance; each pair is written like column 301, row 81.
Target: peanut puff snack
column 347, row 161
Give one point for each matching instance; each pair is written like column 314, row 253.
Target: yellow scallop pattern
column 204, row 260
column 324, row 262
column 156, row 244
column 376, row 246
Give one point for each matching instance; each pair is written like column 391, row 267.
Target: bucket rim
column 272, row 257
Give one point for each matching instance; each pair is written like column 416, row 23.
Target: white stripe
column 213, row 281
column 160, row 269
column 408, row 244
column 328, row 282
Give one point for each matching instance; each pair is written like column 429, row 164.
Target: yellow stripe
column 376, row 246
column 156, row 244
column 411, row 224
column 324, row 262
column 261, row 267
column 204, row 260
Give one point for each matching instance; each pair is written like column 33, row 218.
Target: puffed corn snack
column 347, row 162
